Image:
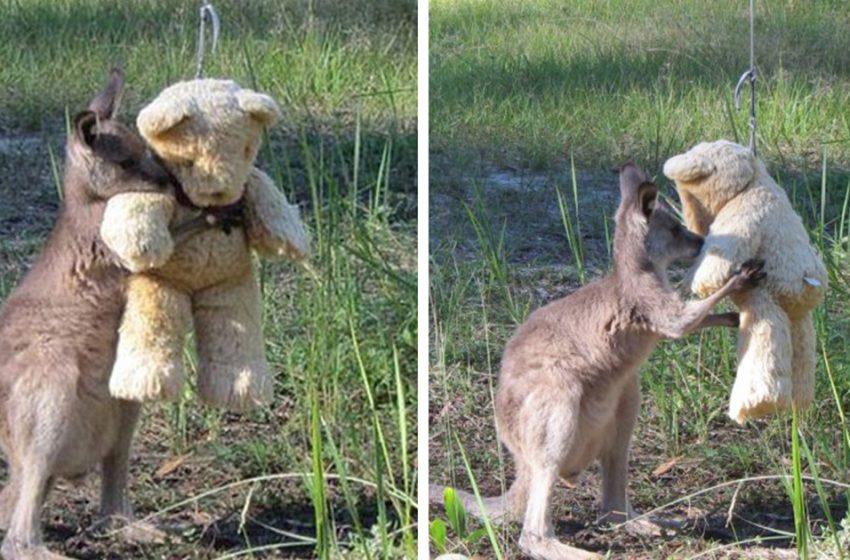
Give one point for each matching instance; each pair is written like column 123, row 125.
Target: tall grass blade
column 494, row 543
column 798, row 497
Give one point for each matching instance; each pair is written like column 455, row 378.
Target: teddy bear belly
column 801, row 302
column 798, row 285
column 210, row 258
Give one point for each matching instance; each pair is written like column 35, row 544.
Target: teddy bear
column 207, row 132
column 728, row 197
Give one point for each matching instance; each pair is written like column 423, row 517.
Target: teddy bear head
column 708, row 176
column 208, row 133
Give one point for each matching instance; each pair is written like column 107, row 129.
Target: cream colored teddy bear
column 728, row 196
column 208, row 133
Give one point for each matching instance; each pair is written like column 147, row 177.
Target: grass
column 530, row 105
column 328, row 469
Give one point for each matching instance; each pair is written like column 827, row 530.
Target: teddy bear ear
column 688, row 167
column 157, row 119
column 260, row 106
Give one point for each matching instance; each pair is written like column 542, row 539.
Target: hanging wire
column 749, row 76
column 207, row 12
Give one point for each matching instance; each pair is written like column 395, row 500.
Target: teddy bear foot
column 751, row 403
column 138, row 378
column 741, row 413
column 236, row 387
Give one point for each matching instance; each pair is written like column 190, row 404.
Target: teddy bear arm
column 135, row 228
column 273, row 225
column 149, row 355
column 713, row 270
column 725, row 250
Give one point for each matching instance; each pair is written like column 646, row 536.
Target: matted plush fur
column 728, row 196
column 208, row 133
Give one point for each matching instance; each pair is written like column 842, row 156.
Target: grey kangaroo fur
column 568, row 388
column 58, row 331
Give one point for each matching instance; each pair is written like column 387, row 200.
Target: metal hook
column 749, row 76
column 207, row 11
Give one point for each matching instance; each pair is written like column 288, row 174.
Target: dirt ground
column 230, row 520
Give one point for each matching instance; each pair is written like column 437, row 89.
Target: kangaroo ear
column 105, row 104
column 631, row 176
column 688, row 167
column 647, row 198
column 84, row 123
column 260, row 106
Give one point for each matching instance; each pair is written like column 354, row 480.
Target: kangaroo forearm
column 691, row 315
column 696, row 312
column 730, row 319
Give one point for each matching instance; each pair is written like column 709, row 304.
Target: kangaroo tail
column 497, row 508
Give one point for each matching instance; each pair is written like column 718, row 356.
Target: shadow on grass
column 608, row 78
column 709, row 48
column 522, row 211
column 276, row 526
column 41, row 25
column 766, row 516
column 266, row 526
column 56, row 52
column 27, row 184
column 759, row 520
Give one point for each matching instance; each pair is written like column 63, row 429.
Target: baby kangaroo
column 568, row 388
column 58, row 331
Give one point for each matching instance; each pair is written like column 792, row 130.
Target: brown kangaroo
column 58, row 331
column 568, row 388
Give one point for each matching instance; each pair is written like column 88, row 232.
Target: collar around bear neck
column 224, row 217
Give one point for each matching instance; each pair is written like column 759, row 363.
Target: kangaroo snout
column 696, row 241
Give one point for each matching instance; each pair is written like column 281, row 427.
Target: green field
column 531, row 104
column 329, row 469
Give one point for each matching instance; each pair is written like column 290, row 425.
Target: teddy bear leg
column 763, row 381
column 803, row 361
column 232, row 367
column 149, row 355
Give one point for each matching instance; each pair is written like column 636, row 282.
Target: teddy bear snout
column 206, row 190
column 217, row 198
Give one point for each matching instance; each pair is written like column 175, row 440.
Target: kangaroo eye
column 127, row 164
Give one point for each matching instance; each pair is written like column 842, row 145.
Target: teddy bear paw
column 146, row 256
column 236, row 387
column 137, row 377
column 756, row 394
